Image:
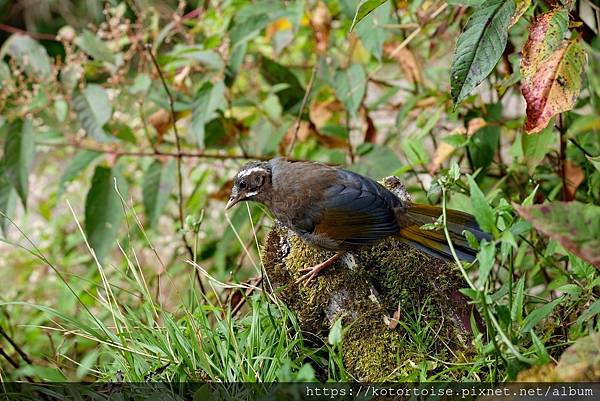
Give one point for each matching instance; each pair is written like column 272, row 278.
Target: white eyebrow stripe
column 250, row 171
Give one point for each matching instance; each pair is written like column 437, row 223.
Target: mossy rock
column 401, row 309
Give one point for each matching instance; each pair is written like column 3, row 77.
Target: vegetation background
column 122, row 124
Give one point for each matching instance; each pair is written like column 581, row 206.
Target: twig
column 178, row 156
column 34, row 35
column 585, row 152
column 136, row 153
column 14, row 363
column 15, row 346
column 302, row 106
column 487, row 314
column 563, row 155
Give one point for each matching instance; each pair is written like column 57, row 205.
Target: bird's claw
column 313, row 272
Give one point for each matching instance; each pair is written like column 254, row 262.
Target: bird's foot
column 313, row 271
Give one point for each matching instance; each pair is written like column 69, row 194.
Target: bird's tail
column 434, row 242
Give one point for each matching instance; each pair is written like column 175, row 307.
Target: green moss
column 388, row 278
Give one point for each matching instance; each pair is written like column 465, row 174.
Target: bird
column 340, row 210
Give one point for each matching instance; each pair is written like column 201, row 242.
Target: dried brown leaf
column 574, row 176
column 442, row 153
column 407, row 61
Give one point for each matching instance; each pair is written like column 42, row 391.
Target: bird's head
column 251, row 183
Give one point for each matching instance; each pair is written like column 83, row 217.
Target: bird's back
column 332, row 208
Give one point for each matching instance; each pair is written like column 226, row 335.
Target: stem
column 302, row 106
column 487, row 314
column 178, row 156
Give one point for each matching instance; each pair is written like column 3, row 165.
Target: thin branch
column 178, row 156
column 15, row 346
column 34, row 35
column 14, row 363
column 563, row 147
column 585, row 152
column 136, row 153
column 302, row 106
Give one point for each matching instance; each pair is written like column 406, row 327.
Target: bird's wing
column 357, row 211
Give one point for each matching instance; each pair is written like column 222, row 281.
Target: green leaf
column 536, row 146
column 570, row 289
column 141, row 84
column 593, row 310
column 208, row 99
column 29, row 55
column 234, row 63
column 481, row 209
column 7, row 201
column 93, row 110
column 245, row 30
column 364, row 9
column 380, row 161
column 87, row 363
column 595, row 161
column 335, row 333
column 574, row 225
column 480, row 46
column 103, row 209
column 538, row 314
column 371, row 32
column 540, row 349
column 486, row 258
column 94, row 47
column 19, row 150
column 275, row 73
column 483, row 145
column 159, row 180
column 350, row 86
column 516, row 309
column 75, row 167
column 467, row 3
column 208, row 58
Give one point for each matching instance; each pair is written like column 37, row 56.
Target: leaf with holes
column 551, row 69
column 208, row 99
column 103, row 209
column 575, row 225
column 159, row 180
column 93, row 110
column 19, row 150
column 521, row 7
column 480, row 46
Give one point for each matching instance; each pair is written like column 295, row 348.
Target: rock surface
column 399, row 307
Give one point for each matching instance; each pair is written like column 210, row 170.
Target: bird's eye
column 242, row 184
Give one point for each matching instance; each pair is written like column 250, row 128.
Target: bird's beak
column 232, row 201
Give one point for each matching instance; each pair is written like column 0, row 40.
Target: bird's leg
column 314, row 271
